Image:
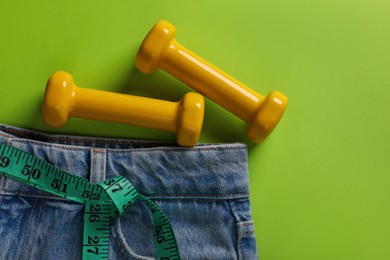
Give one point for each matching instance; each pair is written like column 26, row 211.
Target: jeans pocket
column 132, row 234
column 246, row 244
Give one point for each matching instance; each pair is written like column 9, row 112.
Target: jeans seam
column 51, row 145
column 46, row 137
column 78, row 147
column 119, row 248
column 194, row 195
column 198, row 196
column 235, row 226
column 36, row 226
column 2, row 182
column 34, row 195
column 246, row 233
column 125, row 246
column 28, row 228
column 113, row 243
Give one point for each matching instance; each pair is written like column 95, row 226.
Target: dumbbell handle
column 120, row 108
column 210, row 81
column 63, row 100
column 160, row 50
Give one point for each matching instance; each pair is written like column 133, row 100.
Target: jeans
column 203, row 190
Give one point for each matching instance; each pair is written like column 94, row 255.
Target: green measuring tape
column 102, row 201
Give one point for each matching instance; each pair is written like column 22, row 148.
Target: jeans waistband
column 156, row 169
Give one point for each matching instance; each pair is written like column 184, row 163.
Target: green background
column 320, row 182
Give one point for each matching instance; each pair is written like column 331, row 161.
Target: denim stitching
column 36, row 226
column 237, row 231
column 44, row 137
column 130, row 149
column 125, row 246
column 28, row 228
column 5, row 135
column 2, row 182
column 120, row 248
column 113, row 243
column 246, row 233
column 200, row 194
column 35, row 195
column 154, row 196
column 61, row 146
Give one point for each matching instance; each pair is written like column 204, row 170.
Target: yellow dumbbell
column 63, row 99
column 160, row 50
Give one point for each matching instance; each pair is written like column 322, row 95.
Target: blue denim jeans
column 203, row 190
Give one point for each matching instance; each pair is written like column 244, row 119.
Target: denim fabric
column 203, row 190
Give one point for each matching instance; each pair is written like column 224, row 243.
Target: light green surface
column 320, row 182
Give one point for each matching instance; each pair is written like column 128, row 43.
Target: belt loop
column 98, row 165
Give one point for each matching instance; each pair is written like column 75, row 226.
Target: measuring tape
column 102, row 201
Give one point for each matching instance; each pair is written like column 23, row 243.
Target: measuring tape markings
column 102, row 201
